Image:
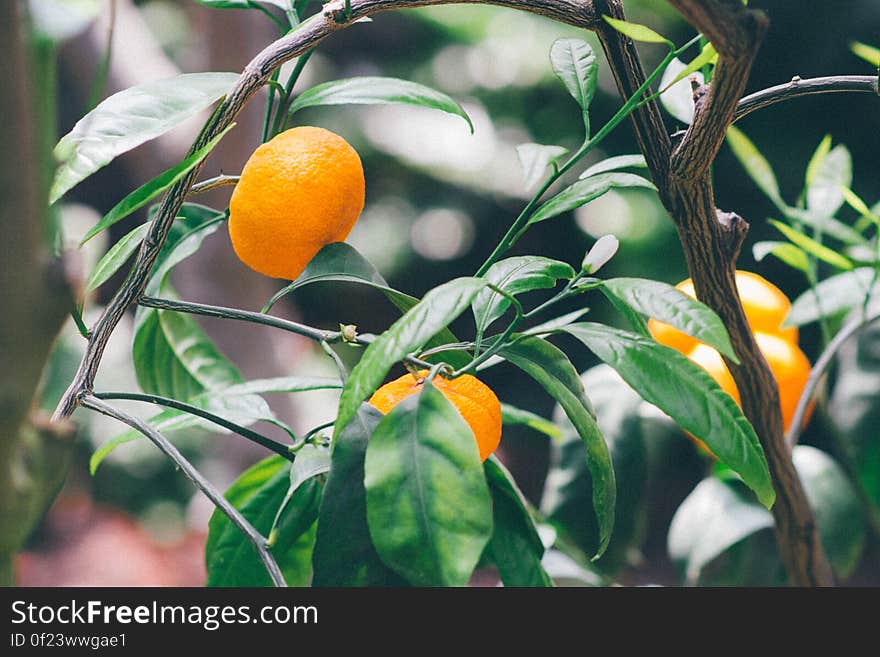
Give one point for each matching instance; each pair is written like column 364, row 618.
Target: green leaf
column 854, row 201
column 755, row 164
column 790, row 254
column 515, row 276
column 310, row 461
column 428, row 505
column 813, row 247
column 665, row 303
column 566, row 498
column 635, row 31
column 340, row 262
column 417, row 326
column 377, row 91
column 553, row 325
column 128, row 119
column 714, row 517
column 512, row 415
column 583, row 191
column 677, row 98
column 854, row 409
column 684, row 391
column 869, row 53
column 834, row 295
column 636, row 161
column 282, row 384
column 836, row 504
column 551, row 368
column 817, row 160
column 535, row 158
column 176, row 251
column 344, row 554
column 173, row 357
column 230, row 557
column 708, row 55
column 574, row 63
column 116, row 256
column 828, row 225
column 515, row 546
column 150, row 190
column 825, row 195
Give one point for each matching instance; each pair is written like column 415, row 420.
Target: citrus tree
column 402, row 487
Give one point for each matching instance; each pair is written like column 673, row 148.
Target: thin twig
column 258, row 540
column 213, row 183
column 811, row 86
column 818, row 371
column 244, row 432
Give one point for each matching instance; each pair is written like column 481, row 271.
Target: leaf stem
column 244, row 432
column 498, row 344
column 213, row 183
column 196, row 477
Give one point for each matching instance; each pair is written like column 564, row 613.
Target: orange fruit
column 765, row 305
column 473, row 399
column 789, row 365
column 298, row 192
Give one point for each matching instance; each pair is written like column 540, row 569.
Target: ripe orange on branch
column 472, row 398
column 766, row 308
column 298, row 192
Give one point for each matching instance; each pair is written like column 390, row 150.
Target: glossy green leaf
column 754, row 163
column 635, row 161
column 684, row 391
column 417, row 326
column 128, row 119
column 813, row 247
column 512, row 416
column 553, row 325
column 377, row 91
column 566, row 499
column 551, row 368
column 635, row 31
column 340, row 262
column 150, row 190
column 176, row 251
column 515, row 546
column 856, row 202
column 817, row 159
column 428, row 506
column 574, row 63
column 790, row 254
column 116, row 256
column 344, row 554
column 714, row 517
column 515, row 276
column 854, row 409
column 824, row 195
column 310, row 461
column 230, row 557
column 535, row 158
column 832, row 296
column 677, row 98
column 869, row 53
column 583, row 191
column 667, row 304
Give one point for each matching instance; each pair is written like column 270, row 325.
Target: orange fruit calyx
column 298, row 192
column 473, row 399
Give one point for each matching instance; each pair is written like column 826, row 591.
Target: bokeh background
column 438, row 199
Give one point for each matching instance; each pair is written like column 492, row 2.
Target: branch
column 257, row 539
column 818, row 371
column 809, row 87
column 282, row 450
column 579, row 13
column 736, row 33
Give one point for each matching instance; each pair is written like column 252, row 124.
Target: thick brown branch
column 798, row 87
column 736, row 33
